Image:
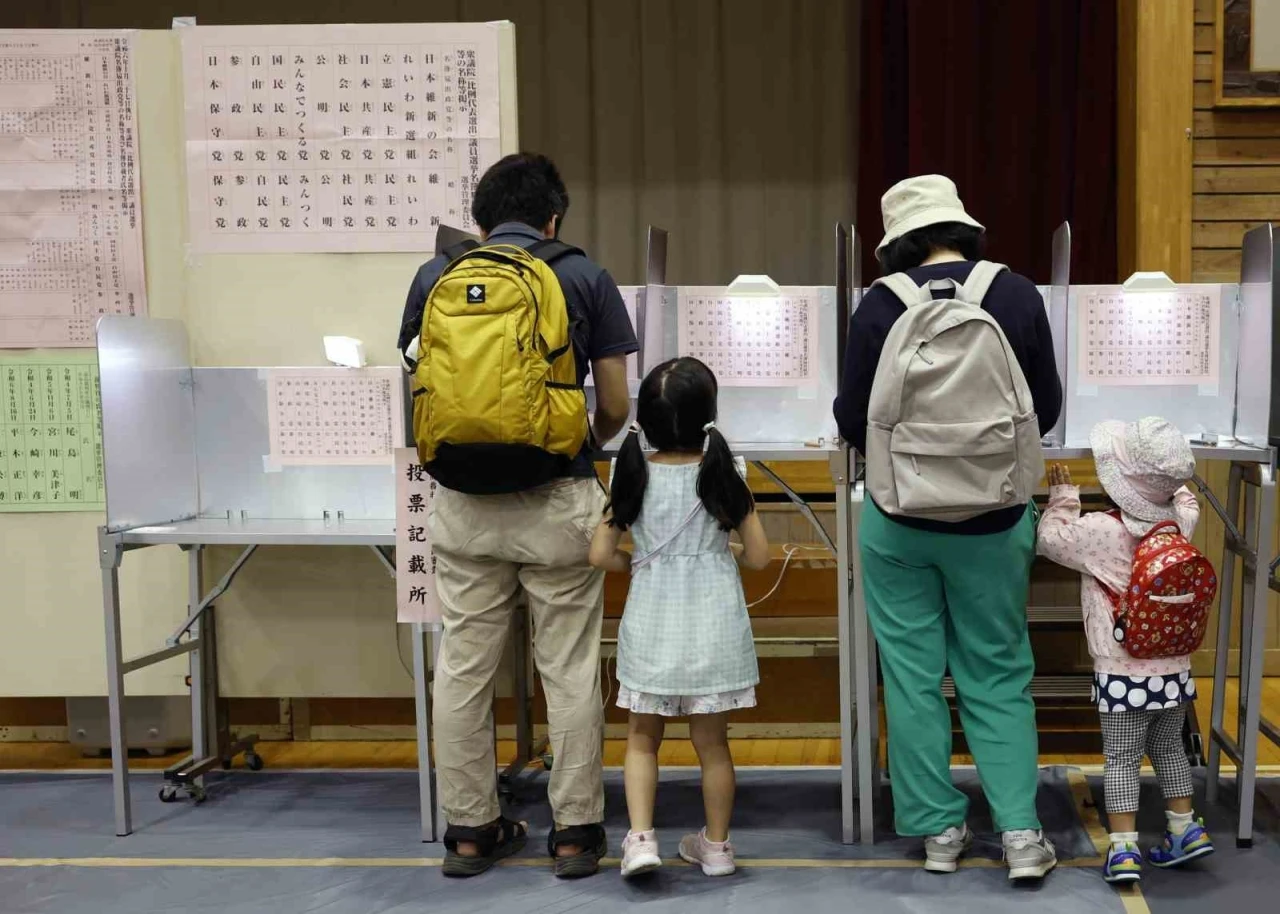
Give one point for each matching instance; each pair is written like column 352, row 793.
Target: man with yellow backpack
column 499, row 338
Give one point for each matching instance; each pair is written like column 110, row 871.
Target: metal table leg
column 1222, row 652
column 866, row 696
column 110, row 552
column 848, row 647
column 1254, row 619
column 198, row 664
column 425, row 639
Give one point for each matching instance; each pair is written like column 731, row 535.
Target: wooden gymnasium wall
column 1236, row 186
column 1237, row 167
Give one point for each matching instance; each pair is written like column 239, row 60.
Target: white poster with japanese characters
column 337, row 137
column 334, row 416
column 70, row 220
column 1150, row 338
column 416, row 599
column 751, row 341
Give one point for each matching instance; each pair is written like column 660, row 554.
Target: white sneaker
column 1028, row 854
column 715, row 857
column 942, row 852
column 640, row 853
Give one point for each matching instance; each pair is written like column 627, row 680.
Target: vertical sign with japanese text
column 416, row 599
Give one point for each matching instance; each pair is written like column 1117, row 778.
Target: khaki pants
column 489, row 548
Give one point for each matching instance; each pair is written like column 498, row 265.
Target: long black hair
column 677, row 403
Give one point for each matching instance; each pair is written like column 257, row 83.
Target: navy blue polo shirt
column 605, row 327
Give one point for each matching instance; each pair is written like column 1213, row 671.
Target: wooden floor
column 757, row 752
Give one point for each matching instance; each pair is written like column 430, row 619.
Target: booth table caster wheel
column 253, row 761
column 226, row 764
column 1244, row 843
column 548, row 761
column 198, row 794
column 168, row 794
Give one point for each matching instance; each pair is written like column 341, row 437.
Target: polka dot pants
column 1126, row 737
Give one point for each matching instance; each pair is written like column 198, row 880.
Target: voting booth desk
column 193, row 459
column 1201, row 356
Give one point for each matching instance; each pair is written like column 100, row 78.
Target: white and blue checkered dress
column 685, row 629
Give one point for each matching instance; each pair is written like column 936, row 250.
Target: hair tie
column 634, row 429
column 708, row 427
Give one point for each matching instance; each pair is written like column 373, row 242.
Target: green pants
column 945, row 601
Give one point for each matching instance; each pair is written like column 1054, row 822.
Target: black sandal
column 495, row 841
column 594, row 844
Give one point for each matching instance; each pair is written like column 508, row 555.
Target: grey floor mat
column 679, row 890
column 779, row 814
column 1233, row 879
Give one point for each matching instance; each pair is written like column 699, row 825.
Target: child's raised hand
column 1059, row 474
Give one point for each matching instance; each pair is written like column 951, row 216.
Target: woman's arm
column 755, row 545
column 605, row 552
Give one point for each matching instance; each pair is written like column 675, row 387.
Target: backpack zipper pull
column 915, row 464
column 920, row 352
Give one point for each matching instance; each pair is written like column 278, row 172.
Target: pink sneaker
column 640, row 853
column 715, row 857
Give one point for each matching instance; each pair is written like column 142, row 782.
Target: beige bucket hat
column 918, row 202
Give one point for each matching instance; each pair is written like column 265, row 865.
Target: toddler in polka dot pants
column 1143, row 468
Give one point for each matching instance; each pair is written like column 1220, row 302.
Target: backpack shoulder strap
column 975, row 288
column 465, row 246
column 549, row 250
column 904, row 289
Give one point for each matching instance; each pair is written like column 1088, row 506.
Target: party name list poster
column 354, row 138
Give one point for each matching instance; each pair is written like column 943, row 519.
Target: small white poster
column 769, row 341
column 334, row 416
column 416, row 599
column 1149, row 338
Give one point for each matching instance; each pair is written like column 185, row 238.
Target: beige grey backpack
column 951, row 428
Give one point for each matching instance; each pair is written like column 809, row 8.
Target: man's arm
column 613, row 401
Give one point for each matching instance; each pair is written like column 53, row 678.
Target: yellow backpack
column 497, row 406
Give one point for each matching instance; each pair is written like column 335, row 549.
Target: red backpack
column 1165, row 611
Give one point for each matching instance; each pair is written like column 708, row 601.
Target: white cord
column 608, row 677
column 789, row 550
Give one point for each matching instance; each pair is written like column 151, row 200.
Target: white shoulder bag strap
column 653, row 553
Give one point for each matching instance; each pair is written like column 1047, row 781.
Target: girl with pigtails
column 684, row 645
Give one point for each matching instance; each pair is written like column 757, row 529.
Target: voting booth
column 776, row 353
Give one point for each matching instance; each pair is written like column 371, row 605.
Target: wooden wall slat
column 1205, row 36
column 1209, row 265
column 1206, row 11
column 1237, row 124
column 1204, row 67
column 1263, row 207
column 1220, row 234
column 1249, row 151
column 1236, row 179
